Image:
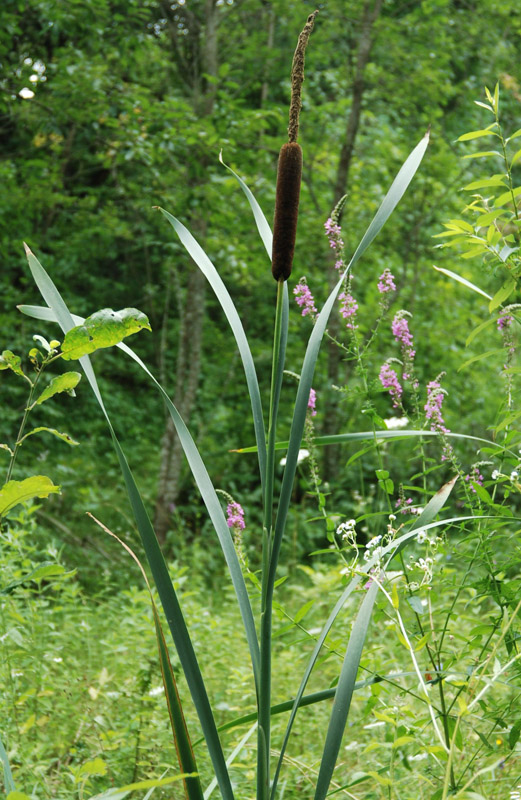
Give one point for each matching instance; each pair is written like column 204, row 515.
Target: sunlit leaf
column 104, row 328
column 63, row 436
column 15, row 492
column 62, row 383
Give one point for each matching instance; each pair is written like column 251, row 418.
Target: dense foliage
column 108, row 110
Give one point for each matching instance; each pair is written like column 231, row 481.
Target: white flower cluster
column 347, row 531
column 373, row 549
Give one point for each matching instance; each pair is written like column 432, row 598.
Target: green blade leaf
column 44, row 571
column 502, row 294
column 63, row 436
column 185, row 754
column 124, row 791
column 155, row 558
column 15, row 492
column 62, row 383
column 260, row 220
column 207, row 268
column 105, row 328
column 463, row 281
column 389, row 203
column 8, row 775
column 344, row 693
column 203, row 481
column 466, row 137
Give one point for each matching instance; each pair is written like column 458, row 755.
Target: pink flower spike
column 235, row 516
column 389, row 380
column 304, row 298
column 386, row 282
column 312, row 402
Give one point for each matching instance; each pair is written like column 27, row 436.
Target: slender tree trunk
column 371, row 12
column 192, row 314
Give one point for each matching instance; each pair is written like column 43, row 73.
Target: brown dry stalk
column 297, row 78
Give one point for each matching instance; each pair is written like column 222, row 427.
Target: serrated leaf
column 15, row 492
column 63, row 436
column 62, row 383
column 8, row 360
column 102, row 329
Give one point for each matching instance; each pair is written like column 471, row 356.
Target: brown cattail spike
column 297, row 77
column 286, row 210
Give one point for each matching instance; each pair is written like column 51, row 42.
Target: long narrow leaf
column 389, row 203
column 155, row 558
column 260, row 220
column 207, row 268
column 463, row 281
column 358, row 436
column 8, row 775
column 344, row 692
column 212, row 503
column 183, row 745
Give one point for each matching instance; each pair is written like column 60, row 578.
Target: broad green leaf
column 104, row 328
column 94, row 767
column 63, row 436
column 8, row 360
column 463, row 281
column 483, row 183
column 15, row 492
column 485, row 219
column 502, row 294
column 18, row 796
column 416, row 604
column 476, row 135
column 506, row 197
column 62, row 383
column 44, row 571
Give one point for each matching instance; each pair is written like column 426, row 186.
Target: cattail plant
column 275, row 506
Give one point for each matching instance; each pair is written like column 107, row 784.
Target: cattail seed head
column 286, row 210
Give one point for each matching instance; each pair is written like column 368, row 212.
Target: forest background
column 108, row 109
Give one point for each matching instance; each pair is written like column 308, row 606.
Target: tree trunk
column 370, row 15
column 192, row 314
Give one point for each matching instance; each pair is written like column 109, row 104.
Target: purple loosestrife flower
column 389, row 380
column 504, row 322
column 312, row 403
column 402, row 334
column 386, row 282
column 475, row 476
column 333, row 233
column 348, row 309
column 235, row 516
column 304, row 298
column 432, row 408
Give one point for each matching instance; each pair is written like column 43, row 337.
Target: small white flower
column 421, row 537
column 156, row 691
column 514, row 475
column 392, row 517
column 302, row 455
column 495, row 475
column 396, row 422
